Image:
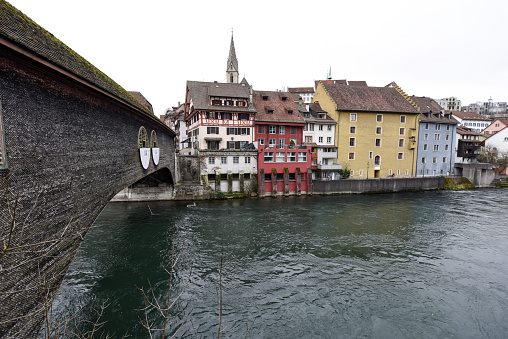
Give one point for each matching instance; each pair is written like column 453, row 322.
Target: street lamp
column 368, row 170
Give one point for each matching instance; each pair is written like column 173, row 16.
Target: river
column 402, row 265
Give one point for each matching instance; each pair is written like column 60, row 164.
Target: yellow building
column 377, row 128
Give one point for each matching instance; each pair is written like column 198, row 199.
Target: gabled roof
column 430, row 111
column 341, row 82
column 200, row 93
column 22, row 31
column 280, row 109
column 469, row 116
column 357, row 83
column 369, row 99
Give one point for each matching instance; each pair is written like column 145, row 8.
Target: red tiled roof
column 279, row 107
column 369, row 99
column 469, row 116
column 300, row 90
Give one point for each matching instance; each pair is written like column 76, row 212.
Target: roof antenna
column 329, row 77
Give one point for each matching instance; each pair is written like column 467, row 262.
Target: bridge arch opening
column 156, row 186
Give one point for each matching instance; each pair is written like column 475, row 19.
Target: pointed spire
column 232, row 67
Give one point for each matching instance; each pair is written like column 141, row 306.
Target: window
column 243, row 116
column 438, row 127
column 352, row 117
column 425, row 147
column 426, row 125
column 447, row 127
column 379, row 118
column 351, row 156
column 268, row 176
column 281, row 130
column 261, row 129
column 236, row 160
column 390, row 172
column 308, row 138
column 292, row 130
column 320, row 139
column 379, row 130
column 281, row 142
column 247, row 160
column 311, row 127
column 436, row 136
column 223, row 160
column 400, row 156
column 212, row 130
column 280, row 157
column 211, row 160
column 402, row 131
column 352, row 129
column 434, row 160
column 352, row 142
column 378, row 142
column 291, row 156
column 446, row 147
column 371, row 155
column 261, row 141
column 444, row 160
column 401, row 142
column 426, row 136
column 290, row 111
column 272, row 129
column 329, row 127
column 447, row 137
column 142, row 138
column 272, row 142
column 268, row 157
column 328, row 140
column 302, row 156
column 320, row 127
column 424, row 160
column 436, row 147
column 377, row 160
column 402, row 119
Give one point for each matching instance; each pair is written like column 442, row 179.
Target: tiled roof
column 369, row 99
column 200, row 93
column 314, row 109
column 470, row 116
column 18, row 28
column 280, row 108
column 430, row 111
column 300, row 89
column 141, row 98
column 466, row 131
column 357, row 83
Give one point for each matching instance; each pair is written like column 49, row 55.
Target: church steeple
column 232, row 68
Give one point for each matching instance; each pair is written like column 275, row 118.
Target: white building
column 499, row 142
column 449, row 104
column 471, row 120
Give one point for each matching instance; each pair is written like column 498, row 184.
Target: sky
column 432, row 48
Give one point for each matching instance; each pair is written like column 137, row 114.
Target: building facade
column 436, row 139
column 377, row 128
column 468, row 145
column 471, row 120
column 496, row 126
column 283, row 162
column 449, row 104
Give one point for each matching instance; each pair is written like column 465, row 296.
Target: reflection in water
column 407, row 265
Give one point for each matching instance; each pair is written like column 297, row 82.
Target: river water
column 404, row 265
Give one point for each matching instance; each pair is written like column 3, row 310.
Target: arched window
column 154, row 143
column 142, row 138
column 377, row 160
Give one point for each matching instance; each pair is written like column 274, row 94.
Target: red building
column 283, row 162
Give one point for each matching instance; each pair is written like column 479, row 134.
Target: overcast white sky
column 433, row 48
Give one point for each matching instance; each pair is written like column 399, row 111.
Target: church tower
column 232, row 69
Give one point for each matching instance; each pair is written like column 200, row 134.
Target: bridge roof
column 20, row 29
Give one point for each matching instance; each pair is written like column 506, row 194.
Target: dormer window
column 322, row 115
column 284, row 98
column 240, row 103
column 290, row 111
column 265, row 97
column 216, row 102
column 229, row 102
column 269, row 111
